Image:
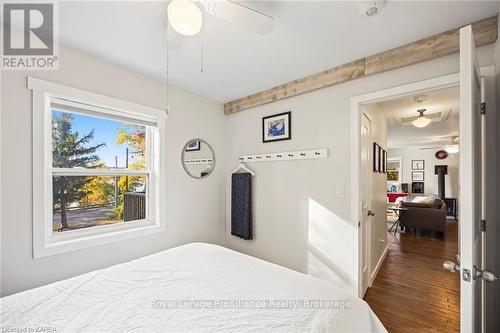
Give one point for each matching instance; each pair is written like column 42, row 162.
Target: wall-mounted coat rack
column 199, row 161
column 286, row 156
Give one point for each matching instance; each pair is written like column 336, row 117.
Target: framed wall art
column 376, row 157
column 417, row 164
column 417, row 176
column 277, row 127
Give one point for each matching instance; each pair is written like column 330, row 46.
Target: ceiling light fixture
column 453, row 149
column 422, row 120
column 184, row 17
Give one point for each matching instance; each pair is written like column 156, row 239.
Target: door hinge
column 483, row 108
column 483, row 225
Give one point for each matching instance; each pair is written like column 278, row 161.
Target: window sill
column 85, row 238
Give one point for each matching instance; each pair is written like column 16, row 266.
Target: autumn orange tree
column 98, row 191
column 134, row 137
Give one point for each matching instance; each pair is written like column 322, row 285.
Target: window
column 97, row 171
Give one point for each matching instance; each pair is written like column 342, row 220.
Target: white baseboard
column 379, row 263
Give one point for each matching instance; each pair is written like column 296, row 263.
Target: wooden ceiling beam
column 446, row 43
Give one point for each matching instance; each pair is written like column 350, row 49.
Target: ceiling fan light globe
column 421, row 122
column 184, row 17
column 452, row 149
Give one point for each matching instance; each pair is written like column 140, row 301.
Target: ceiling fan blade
column 173, row 39
column 428, row 148
column 239, row 14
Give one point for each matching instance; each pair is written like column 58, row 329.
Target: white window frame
column 45, row 241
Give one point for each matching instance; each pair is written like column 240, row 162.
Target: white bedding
column 157, row 293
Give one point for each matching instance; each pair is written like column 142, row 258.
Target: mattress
column 191, row 288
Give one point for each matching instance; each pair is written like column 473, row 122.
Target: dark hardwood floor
column 412, row 292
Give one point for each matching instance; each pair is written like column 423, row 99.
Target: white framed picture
column 417, row 164
column 277, row 127
column 417, row 176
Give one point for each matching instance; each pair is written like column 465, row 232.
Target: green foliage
column 70, row 150
column 118, row 210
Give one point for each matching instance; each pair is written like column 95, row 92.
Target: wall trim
column 373, row 274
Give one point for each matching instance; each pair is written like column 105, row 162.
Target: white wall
column 299, row 221
column 195, row 208
column 378, row 223
column 430, row 179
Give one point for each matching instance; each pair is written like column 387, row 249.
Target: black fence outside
column 134, row 206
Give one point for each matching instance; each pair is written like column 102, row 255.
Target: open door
column 472, row 185
column 366, row 190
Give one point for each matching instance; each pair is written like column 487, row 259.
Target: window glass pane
column 85, row 201
column 81, row 141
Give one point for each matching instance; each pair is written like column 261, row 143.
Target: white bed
column 158, row 293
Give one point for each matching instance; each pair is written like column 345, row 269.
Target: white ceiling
column 436, row 134
column 308, row 37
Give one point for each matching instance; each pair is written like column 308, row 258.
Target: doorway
column 358, row 103
column 413, row 230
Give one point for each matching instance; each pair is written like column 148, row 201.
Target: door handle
column 451, row 267
column 483, row 274
column 370, row 213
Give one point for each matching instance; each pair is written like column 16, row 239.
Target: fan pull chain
column 202, row 61
column 167, row 71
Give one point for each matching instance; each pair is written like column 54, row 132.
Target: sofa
column 425, row 213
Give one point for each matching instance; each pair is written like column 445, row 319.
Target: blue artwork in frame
column 277, row 127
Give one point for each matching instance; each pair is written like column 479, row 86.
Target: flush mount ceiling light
column 184, row 17
column 453, row 149
column 422, row 120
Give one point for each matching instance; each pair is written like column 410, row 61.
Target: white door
column 470, row 183
column 366, row 213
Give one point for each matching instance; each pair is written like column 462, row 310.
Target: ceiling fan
column 185, row 18
column 452, row 148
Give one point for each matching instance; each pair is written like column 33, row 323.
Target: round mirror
column 198, row 158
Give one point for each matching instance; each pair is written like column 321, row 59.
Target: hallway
column 412, row 292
